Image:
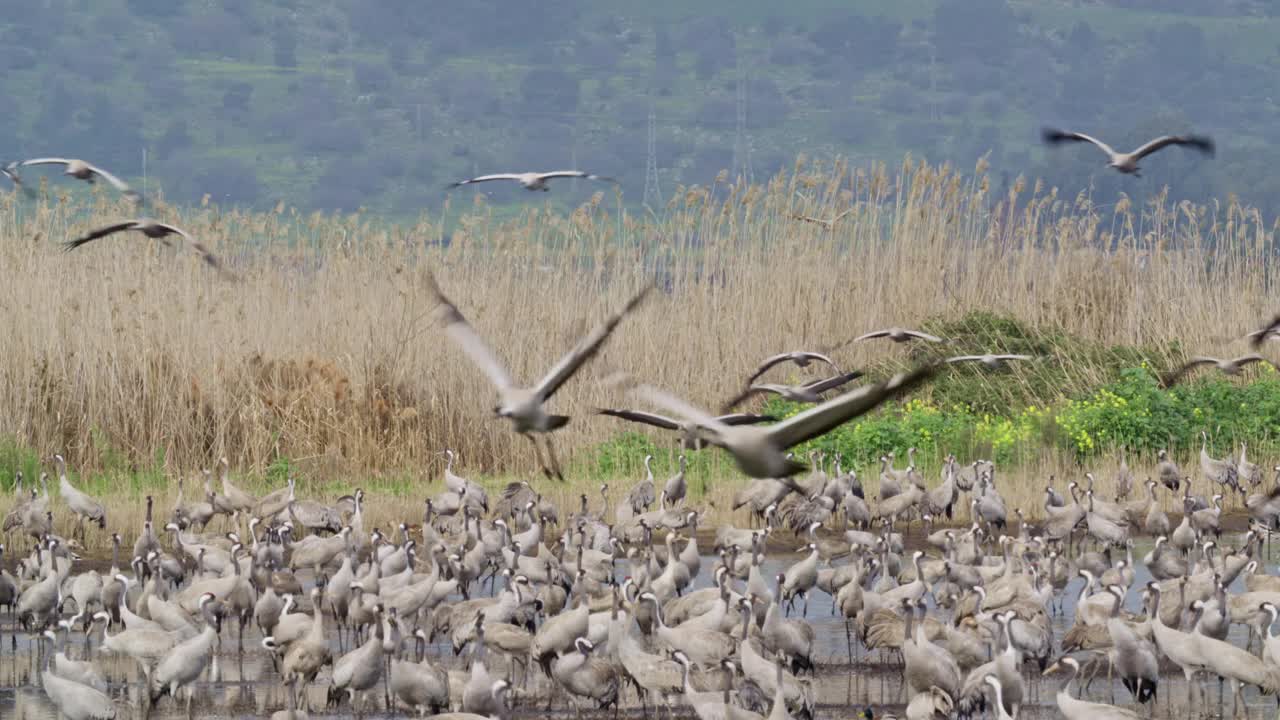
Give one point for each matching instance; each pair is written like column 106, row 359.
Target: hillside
column 339, row 104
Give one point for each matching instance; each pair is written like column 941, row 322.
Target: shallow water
column 246, row 684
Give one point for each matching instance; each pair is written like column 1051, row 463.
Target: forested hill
column 335, row 104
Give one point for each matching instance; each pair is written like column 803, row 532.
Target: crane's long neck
column 1156, row 619
column 657, row 613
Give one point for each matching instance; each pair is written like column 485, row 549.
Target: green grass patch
column 623, row 456
column 14, row 459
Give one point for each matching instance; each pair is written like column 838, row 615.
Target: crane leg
column 555, row 462
column 1111, row 685
column 537, row 452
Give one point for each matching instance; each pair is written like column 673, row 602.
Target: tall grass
column 124, row 353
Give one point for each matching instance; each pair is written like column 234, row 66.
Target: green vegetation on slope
column 1020, row 415
column 339, row 105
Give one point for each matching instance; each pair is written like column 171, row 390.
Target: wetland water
column 246, row 685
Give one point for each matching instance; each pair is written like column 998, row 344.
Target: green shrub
column 1136, row 413
column 918, row 423
column 279, row 471
column 14, row 458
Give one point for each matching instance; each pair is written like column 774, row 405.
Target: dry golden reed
column 326, row 351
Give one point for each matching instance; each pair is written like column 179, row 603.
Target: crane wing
column 1054, row 136
column 745, row 419
column 115, row 182
column 643, row 417
column 574, row 174
column 831, row 383
column 1202, row 144
column 742, row 396
column 680, row 408
column 45, row 161
column 822, row 418
column 100, row 233
column 585, row 349
column 769, row 362
column 457, row 327
column 487, row 178
column 924, row 336
column 1258, row 337
column 1172, row 378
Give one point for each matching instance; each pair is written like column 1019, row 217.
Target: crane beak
column 1050, row 670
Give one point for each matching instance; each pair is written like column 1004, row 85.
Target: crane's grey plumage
column 583, row 675
column 1196, row 653
column 534, row 180
column 76, row 701
column 761, row 452
column 83, row 672
column 1222, row 472
column 810, row 392
column 1128, row 162
column 706, row 648
column 10, row 170
column 78, row 169
column 991, row 361
column 676, row 486
column 358, row 670
column 1135, row 658
column 184, row 663
column 1170, row 475
column 898, row 335
column 653, row 674
column 802, row 358
column 1270, row 331
column 420, row 685
column 82, row 504
column 155, row 230
column 524, row 406
column 1074, row 709
column 558, row 635
column 1230, row 367
column 690, row 439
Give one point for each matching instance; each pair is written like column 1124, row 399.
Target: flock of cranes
column 596, row 604
column 76, row 168
column 604, row 602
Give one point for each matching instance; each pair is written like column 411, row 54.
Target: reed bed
column 126, row 355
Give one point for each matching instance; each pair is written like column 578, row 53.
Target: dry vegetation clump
column 326, row 351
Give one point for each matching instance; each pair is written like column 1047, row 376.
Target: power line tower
column 652, row 193
column 741, row 143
